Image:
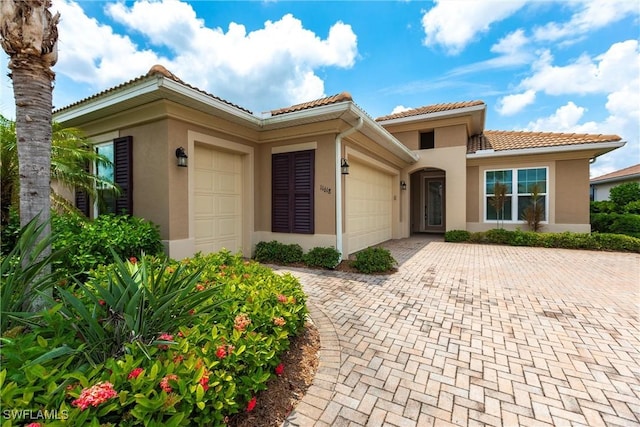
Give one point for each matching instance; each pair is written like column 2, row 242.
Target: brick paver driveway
column 477, row 335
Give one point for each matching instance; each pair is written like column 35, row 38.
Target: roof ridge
column 327, row 100
column 155, row 70
column 620, row 173
column 544, row 133
column 432, row 108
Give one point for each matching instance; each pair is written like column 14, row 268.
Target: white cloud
column 455, row 24
column 512, row 104
column 587, row 75
column 512, row 44
column 270, row 67
column 565, row 119
column 80, row 57
column 399, row 109
column 590, row 15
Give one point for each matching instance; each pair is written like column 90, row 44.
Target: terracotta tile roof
column 622, row 173
column 153, row 71
column 512, row 140
column 334, row 99
column 428, row 109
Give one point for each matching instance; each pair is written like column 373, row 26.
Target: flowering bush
column 196, row 370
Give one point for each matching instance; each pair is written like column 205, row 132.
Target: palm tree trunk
column 29, row 35
column 32, row 89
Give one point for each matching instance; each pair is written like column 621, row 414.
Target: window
column 120, row 172
column 292, row 200
column 520, row 188
column 427, row 140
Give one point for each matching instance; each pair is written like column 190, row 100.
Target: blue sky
column 559, row 66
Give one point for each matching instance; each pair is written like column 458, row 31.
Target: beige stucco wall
column 568, row 191
column 452, row 161
column 324, row 193
column 572, row 192
column 473, row 194
column 450, row 136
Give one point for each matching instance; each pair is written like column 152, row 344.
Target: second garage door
column 218, row 200
column 369, row 199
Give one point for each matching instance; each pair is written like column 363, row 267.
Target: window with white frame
column 522, row 188
column 105, row 202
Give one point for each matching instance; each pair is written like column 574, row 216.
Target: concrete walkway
column 477, row 335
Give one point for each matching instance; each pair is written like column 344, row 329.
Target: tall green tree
column 29, row 35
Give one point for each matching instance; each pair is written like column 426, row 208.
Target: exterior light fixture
column 182, row 157
column 344, row 167
column 403, row 185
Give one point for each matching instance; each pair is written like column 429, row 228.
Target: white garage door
column 218, row 200
column 369, row 205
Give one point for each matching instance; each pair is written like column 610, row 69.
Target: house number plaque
column 325, row 189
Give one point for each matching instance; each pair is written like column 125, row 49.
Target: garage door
column 369, row 205
column 218, row 200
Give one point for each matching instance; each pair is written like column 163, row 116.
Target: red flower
column 279, row 369
column 200, row 287
column 133, row 260
column 135, row 373
column 283, row 298
column 34, row 425
column 204, row 381
column 102, row 302
column 251, row 404
column 93, row 396
column 164, row 337
column 221, row 352
column 164, row 382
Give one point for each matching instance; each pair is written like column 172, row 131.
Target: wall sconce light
column 344, row 167
column 182, row 157
column 403, row 185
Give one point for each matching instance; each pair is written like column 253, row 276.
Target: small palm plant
column 533, row 214
column 498, row 201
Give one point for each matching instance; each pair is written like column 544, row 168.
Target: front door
column 434, row 202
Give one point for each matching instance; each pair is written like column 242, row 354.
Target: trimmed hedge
column 567, row 240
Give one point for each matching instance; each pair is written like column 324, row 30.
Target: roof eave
column 616, row 179
column 112, row 98
column 602, row 147
column 478, row 125
column 389, row 142
column 148, row 86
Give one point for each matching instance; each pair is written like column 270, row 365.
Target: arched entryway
column 428, row 201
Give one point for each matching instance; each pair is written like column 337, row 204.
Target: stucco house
column 321, row 173
column 601, row 185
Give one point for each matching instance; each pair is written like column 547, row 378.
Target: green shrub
column 498, row 236
column 601, row 222
column 322, row 257
column 9, row 232
column 92, row 242
column 24, row 266
column 591, row 241
column 278, row 253
column 628, row 224
column 457, row 236
column 373, row 260
column 602, row 206
column 208, row 367
column 632, row 207
column 625, row 193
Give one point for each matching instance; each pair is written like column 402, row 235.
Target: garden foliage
column 374, row 260
column 620, row 214
column 153, row 342
column 593, row 241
